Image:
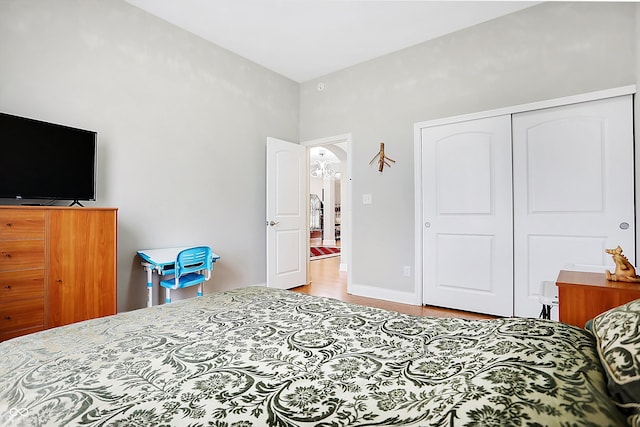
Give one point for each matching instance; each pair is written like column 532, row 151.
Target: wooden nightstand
column 582, row 296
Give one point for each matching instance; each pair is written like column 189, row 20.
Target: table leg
column 149, row 285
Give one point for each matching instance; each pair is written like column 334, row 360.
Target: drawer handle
column 8, row 318
column 9, row 224
column 8, row 287
column 8, row 255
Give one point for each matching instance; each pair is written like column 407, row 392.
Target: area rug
column 319, row 252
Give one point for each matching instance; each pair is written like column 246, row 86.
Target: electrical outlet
column 367, row 199
column 407, row 271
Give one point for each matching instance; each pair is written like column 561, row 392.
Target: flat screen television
column 40, row 160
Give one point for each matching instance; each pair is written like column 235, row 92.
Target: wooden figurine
column 625, row 272
column 382, row 158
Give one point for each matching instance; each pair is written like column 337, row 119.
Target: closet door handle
column 624, row 225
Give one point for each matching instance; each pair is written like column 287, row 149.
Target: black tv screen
column 40, row 160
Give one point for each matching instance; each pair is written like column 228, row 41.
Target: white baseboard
column 384, row 294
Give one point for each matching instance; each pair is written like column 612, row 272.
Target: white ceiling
column 305, row 39
column 314, row 154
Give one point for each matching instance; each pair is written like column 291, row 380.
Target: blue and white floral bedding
column 264, row 357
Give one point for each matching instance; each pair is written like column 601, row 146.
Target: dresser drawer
column 12, row 334
column 15, row 285
column 16, row 224
column 22, row 314
column 21, row 254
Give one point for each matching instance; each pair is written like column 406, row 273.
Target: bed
column 263, row 357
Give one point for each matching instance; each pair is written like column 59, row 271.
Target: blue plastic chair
column 193, row 267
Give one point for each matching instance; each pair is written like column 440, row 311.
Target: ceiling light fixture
column 322, row 169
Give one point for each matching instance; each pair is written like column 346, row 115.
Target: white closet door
column 467, row 216
column 573, row 191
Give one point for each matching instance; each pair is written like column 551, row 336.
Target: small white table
column 163, row 262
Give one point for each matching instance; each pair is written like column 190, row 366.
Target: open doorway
column 325, row 170
column 329, row 174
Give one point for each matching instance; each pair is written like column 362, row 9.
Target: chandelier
column 321, row 168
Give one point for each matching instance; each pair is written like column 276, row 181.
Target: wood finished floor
column 328, row 281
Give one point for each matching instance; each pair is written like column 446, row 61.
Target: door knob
column 272, row 223
column 624, row 225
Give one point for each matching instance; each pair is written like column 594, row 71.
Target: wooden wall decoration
column 383, row 159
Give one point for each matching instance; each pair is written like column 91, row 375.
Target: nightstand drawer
column 15, row 285
column 21, row 254
column 21, row 314
column 18, row 224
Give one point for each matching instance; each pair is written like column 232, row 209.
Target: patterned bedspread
column 264, row 357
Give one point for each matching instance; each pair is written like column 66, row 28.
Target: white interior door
column 467, row 216
column 573, row 191
column 287, row 242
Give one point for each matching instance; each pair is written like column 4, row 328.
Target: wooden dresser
column 57, row 266
column 582, row 296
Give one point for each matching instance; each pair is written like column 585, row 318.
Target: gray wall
column 181, row 125
column 548, row 51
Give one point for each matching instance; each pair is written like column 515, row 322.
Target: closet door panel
column 573, row 191
column 474, row 252
column 577, row 186
column 464, row 186
column 467, row 216
column 543, row 251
